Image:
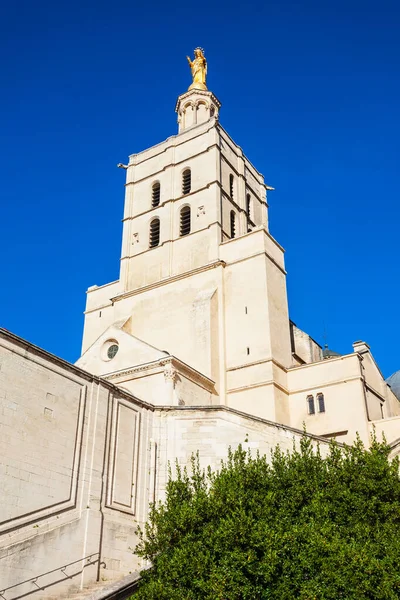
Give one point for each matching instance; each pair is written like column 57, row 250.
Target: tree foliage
column 298, row 526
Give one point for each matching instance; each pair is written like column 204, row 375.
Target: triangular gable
column 100, row 359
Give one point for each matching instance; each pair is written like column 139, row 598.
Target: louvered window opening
column 155, row 194
column 154, row 233
column 231, row 186
column 311, row 405
column 186, row 181
column 185, row 221
column 321, row 403
column 233, row 224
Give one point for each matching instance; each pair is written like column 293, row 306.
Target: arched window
column 310, row 405
column 321, row 403
column 233, row 219
column 231, row 185
column 186, row 181
column 154, row 233
column 155, row 194
column 185, row 221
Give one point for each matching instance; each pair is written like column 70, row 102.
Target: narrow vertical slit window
column 186, row 181
column 248, row 211
column 155, row 194
column 310, row 405
column 154, row 233
column 231, row 185
column 185, row 221
column 321, row 403
column 233, row 224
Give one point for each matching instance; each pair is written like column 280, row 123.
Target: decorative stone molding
column 156, row 284
column 170, row 375
column 170, row 366
column 125, row 433
column 126, row 372
column 57, row 491
column 194, row 96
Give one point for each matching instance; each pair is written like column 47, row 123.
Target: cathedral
column 191, row 349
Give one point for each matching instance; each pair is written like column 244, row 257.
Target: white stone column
column 170, row 381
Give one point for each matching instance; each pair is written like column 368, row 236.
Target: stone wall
column 71, row 479
column 211, row 431
column 82, row 459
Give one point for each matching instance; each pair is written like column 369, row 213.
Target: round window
column 112, row 351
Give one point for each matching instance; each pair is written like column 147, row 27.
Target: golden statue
column 199, row 70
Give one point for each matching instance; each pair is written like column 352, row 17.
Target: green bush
column 299, row 526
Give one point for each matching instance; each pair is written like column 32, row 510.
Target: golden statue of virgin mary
column 199, row 70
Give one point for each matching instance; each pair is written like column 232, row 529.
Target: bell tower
column 201, row 278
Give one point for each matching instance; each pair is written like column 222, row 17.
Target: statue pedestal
column 197, row 86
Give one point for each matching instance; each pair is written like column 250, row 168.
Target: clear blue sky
column 309, row 89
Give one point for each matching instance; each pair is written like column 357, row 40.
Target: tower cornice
column 194, row 95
